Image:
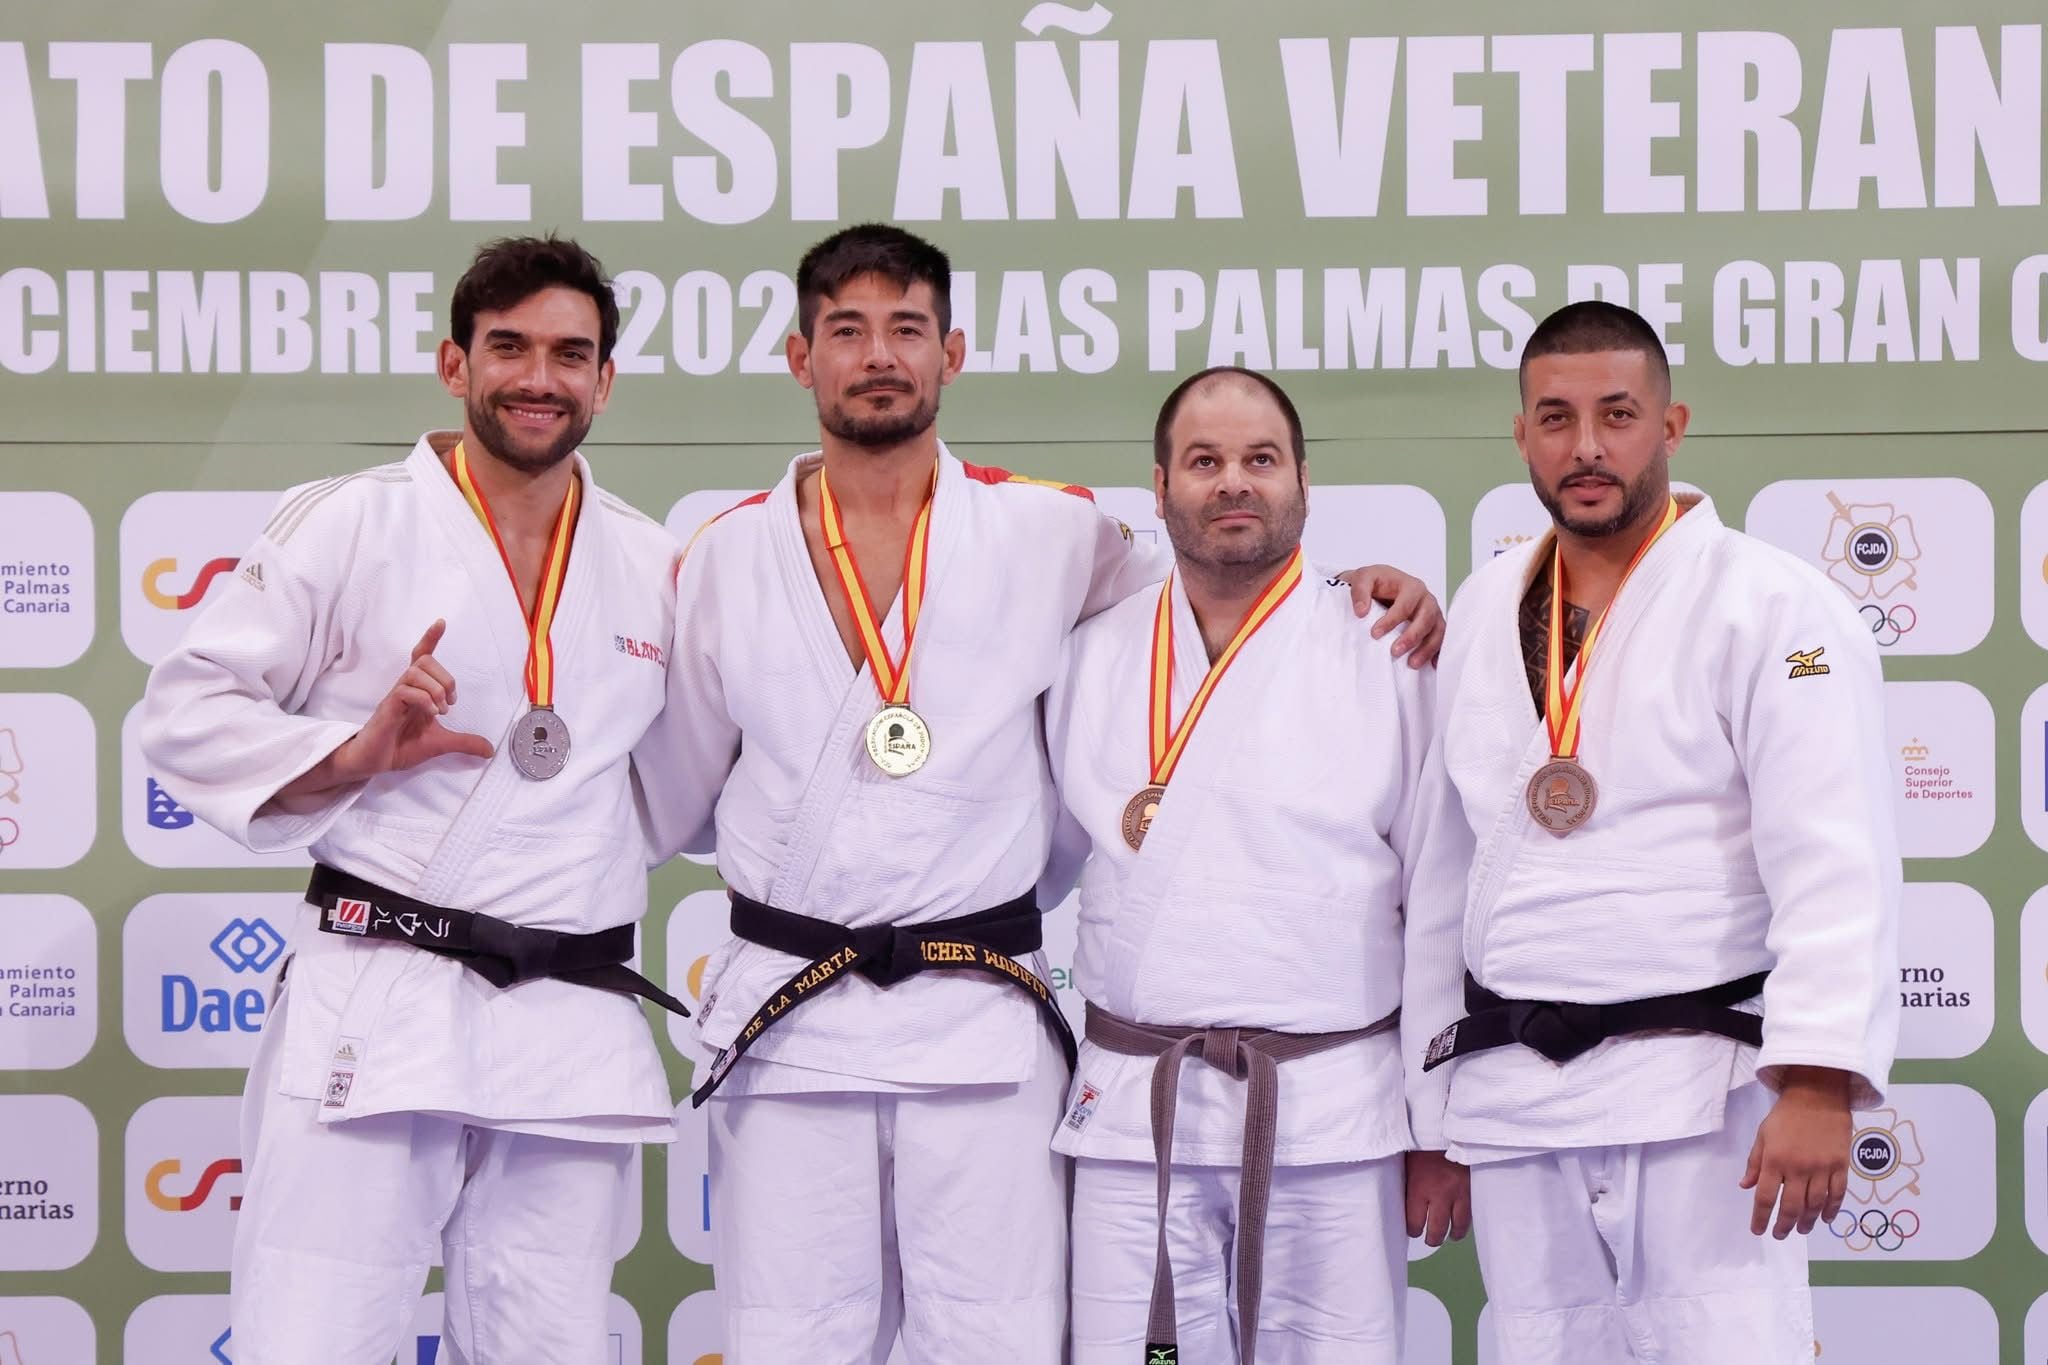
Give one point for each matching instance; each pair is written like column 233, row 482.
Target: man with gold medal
column 1242, row 765
column 853, row 724
column 413, row 673
column 1680, row 937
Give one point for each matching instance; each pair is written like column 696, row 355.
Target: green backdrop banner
column 227, row 237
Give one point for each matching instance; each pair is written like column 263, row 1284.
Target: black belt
column 1562, row 1030
column 501, row 953
column 987, row 941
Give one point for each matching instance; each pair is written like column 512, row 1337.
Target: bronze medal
column 1139, row 812
column 1562, row 796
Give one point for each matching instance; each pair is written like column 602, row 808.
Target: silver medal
column 539, row 744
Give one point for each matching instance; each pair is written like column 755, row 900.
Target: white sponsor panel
column 180, row 550
column 2034, row 968
column 421, row 1344
column 1428, row 1339
column 184, row 1181
column 1062, row 942
column 1903, row 1325
column 49, row 983
column 198, row 974
column 1913, row 556
column 2033, row 766
column 1511, row 515
column 1922, row 1180
column 2034, row 585
column 1348, row 525
column 689, row 1184
column 46, row 580
column 49, row 1182
column 2034, row 1162
column 697, row 927
column 1947, row 975
column 162, row 833
column 48, row 795
column 179, row 1329
column 1943, row 742
column 46, row 1331
column 2037, row 1331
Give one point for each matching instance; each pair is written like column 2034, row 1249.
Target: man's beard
column 1650, row 488
column 484, row 421
column 1237, row 558
column 883, row 430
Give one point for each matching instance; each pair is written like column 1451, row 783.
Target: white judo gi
column 913, row 1117
column 1734, row 720
column 1268, row 893
column 401, row 1104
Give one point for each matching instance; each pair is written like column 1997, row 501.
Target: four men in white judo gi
column 1281, row 820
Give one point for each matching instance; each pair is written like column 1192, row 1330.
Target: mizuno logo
column 1805, row 663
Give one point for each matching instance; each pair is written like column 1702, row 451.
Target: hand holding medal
column 1165, row 741
column 898, row 740
column 1562, row 795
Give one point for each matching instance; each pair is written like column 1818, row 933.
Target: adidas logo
column 252, row 574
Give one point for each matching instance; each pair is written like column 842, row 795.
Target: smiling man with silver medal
column 457, row 1060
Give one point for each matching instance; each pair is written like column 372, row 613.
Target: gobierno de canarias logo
column 153, row 583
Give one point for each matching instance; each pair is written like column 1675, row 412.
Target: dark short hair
column 511, row 270
column 1595, row 325
column 1162, row 430
column 902, row 258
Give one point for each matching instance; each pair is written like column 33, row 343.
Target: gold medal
column 1138, row 813
column 899, row 742
column 1561, row 796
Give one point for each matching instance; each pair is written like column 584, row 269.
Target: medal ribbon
column 540, row 648
column 1169, row 740
column 892, row 679
column 1561, row 708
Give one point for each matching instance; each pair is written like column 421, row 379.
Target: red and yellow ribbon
column 892, row 677
column 1168, row 740
column 1561, row 708
column 540, row 648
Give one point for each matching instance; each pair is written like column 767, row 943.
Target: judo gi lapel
column 1504, row 669
column 842, row 760
column 497, row 607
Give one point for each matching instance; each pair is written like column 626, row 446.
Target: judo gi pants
column 843, row 1220
column 340, row 1222
column 1336, row 1277
column 1606, row 1255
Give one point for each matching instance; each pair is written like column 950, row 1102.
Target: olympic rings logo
column 1889, row 626
column 1875, row 1228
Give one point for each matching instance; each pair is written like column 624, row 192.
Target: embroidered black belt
column 988, row 941
column 1562, row 1030
column 501, row 953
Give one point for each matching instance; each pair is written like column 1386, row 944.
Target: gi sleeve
column 1808, row 724
column 680, row 765
column 1431, row 837
column 1121, row 564
column 1070, row 842
column 219, row 722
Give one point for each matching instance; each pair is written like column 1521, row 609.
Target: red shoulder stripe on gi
column 984, row 473
column 755, row 501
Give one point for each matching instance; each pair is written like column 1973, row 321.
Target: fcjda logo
column 249, row 946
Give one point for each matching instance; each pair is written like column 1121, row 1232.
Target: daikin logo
column 163, row 810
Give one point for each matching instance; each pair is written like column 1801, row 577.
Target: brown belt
column 1252, row 1056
